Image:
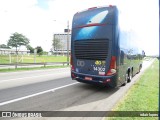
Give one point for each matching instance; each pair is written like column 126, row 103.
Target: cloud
column 29, row 18
column 16, row 5
column 24, row 16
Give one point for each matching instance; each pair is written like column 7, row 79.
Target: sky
column 38, row 20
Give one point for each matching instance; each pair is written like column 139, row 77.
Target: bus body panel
column 96, row 39
column 92, row 53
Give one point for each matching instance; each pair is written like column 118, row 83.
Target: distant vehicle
column 99, row 55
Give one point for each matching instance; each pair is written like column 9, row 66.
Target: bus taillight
column 71, row 63
column 112, row 69
column 92, row 8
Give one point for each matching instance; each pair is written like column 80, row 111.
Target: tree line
column 17, row 40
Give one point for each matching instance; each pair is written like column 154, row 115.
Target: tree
column 57, row 45
column 17, row 40
column 39, row 50
column 29, row 47
column 4, row 46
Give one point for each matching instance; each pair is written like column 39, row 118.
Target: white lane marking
column 31, row 77
column 28, row 96
column 47, row 70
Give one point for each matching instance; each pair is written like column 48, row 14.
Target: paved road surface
column 48, row 90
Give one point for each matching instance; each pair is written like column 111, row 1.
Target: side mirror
column 143, row 53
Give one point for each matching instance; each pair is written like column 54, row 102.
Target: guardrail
column 34, row 64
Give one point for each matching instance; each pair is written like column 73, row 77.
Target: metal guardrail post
column 44, row 64
column 16, row 65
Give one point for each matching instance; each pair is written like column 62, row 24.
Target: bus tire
column 130, row 76
column 126, row 78
column 140, row 67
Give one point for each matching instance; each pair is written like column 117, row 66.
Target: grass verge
column 143, row 95
column 31, row 68
column 5, row 59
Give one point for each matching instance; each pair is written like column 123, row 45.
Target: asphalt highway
column 53, row 89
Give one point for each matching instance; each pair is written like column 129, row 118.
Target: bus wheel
column 140, row 67
column 130, row 76
column 126, row 79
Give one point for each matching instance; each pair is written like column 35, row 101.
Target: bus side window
column 121, row 58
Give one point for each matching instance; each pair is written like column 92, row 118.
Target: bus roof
column 91, row 8
column 95, row 16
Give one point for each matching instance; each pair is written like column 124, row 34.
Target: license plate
column 88, row 78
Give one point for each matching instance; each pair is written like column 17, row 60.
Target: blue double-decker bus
column 99, row 54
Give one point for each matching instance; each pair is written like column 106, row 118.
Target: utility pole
column 68, row 42
column 35, row 54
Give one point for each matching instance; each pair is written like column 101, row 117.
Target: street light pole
column 68, row 42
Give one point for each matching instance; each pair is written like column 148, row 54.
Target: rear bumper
column 96, row 80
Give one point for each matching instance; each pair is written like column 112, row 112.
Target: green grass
column 45, row 59
column 143, row 95
column 4, row 59
column 30, row 59
column 31, row 68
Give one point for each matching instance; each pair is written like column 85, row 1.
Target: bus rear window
column 95, row 17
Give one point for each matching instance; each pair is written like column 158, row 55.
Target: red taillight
column 92, row 8
column 113, row 63
column 71, row 63
column 73, row 76
column 91, row 24
column 112, row 69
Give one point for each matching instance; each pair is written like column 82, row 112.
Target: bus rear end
column 93, row 59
